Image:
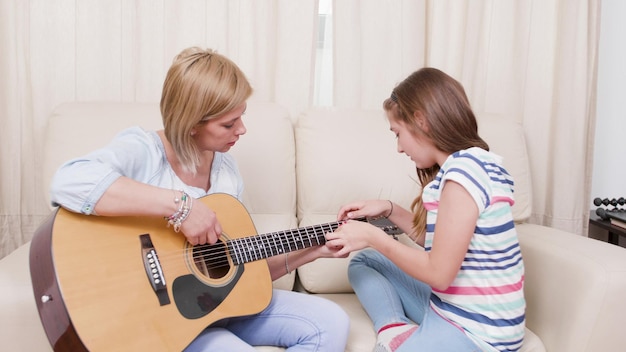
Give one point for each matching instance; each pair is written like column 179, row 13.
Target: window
column 323, row 89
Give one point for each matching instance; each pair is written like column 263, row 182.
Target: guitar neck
column 247, row 249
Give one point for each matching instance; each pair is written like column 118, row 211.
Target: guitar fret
column 280, row 240
column 302, row 240
column 315, row 234
column 249, row 249
column 241, row 243
column 311, row 235
column 241, row 250
column 261, row 246
column 265, row 242
column 324, row 230
column 288, row 241
column 297, row 239
column 257, row 248
column 230, row 248
column 234, row 249
column 278, row 250
column 321, row 232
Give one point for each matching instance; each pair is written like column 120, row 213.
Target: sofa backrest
column 339, row 155
column 506, row 138
column 74, row 129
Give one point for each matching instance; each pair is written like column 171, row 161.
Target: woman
column 162, row 173
column 464, row 290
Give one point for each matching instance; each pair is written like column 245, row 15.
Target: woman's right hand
column 201, row 226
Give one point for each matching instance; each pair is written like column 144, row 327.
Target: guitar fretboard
column 248, row 249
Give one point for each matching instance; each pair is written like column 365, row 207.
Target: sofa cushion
column 361, row 336
column 574, row 289
column 20, row 327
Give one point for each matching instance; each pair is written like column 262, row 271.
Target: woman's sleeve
column 80, row 183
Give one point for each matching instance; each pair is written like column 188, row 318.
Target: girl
column 464, row 290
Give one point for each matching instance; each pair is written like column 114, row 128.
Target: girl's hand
column 365, row 208
column 329, row 250
column 352, row 236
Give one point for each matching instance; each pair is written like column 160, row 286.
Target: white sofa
column 300, row 169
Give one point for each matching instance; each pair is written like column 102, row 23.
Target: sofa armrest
column 574, row 289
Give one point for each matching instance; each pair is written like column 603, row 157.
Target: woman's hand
column 201, row 226
column 365, row 208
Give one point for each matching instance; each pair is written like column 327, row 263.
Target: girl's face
column 416, row 146
column 221, row 133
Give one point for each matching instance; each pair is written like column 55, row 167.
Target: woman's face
column 221, row 133
column 416, row 146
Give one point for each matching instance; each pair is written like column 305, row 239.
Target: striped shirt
column 486, row 299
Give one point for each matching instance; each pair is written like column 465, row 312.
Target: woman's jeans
column 297, row 321
column 390, row 296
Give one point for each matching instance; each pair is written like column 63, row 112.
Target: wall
column 609, row 176
column 609, row 169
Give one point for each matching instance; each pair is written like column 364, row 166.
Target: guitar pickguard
column 195, row 299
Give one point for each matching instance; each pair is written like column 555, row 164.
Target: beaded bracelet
column 182, row 213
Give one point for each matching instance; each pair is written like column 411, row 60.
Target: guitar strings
column 250, row 248
column 256, row 247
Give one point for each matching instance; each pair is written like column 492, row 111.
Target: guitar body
column 98, row 289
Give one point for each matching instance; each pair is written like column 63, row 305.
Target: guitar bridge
column 153, row 269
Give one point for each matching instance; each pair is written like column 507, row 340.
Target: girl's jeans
column 391, row 296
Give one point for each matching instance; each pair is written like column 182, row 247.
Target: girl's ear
column 193, row 132
column 420, row 121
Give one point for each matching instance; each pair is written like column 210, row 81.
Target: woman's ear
column 193, row 132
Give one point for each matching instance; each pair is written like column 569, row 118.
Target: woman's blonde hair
column 452, row 126
column 199, row 86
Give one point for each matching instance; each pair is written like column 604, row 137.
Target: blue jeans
column 299, row 322
column 389, row 296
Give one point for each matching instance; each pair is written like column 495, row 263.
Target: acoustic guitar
column 133, row 284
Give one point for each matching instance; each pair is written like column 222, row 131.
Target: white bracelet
column 287, row 263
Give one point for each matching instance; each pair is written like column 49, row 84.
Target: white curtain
column 55, row 51
column 533, row 61
column 18, row 136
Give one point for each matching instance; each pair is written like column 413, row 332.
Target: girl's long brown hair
column 452, row 126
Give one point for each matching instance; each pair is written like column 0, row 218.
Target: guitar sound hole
column 211, row 260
